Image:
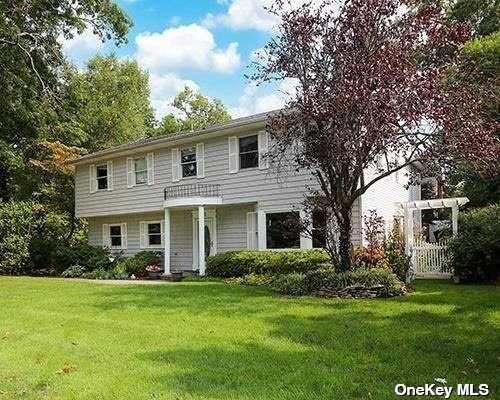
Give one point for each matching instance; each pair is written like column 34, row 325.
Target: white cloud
column 254, row 102
column 81, row 47
column 244, row 14
column 164, row 87
column 188, row 47
column 251, row 14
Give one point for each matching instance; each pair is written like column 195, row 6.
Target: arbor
column 371, row 97
column 197, row 111
column 109, row 102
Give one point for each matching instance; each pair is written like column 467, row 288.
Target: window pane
column 188, row 155
column 319, row 228
column 102, row 171
column 116, row 241
column 154, row 239
column 154, row 228
column 282, row 230
column 115, row 230
column 141, row 177
column 188, row 170
column 102, row 183
column 249, row 143
column 249, row 160
column 141, row 164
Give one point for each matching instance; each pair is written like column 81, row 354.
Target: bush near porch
column 234, row 264
column 475, row 251
column 303, row 272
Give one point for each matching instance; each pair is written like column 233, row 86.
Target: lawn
column 207, row 340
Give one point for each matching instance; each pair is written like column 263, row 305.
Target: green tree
column 197, row 111
column 109, row 102
column 31, row 60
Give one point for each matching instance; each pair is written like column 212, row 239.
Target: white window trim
column 123, row 236
column 97, row 178
column 238, row 164
column 193, row 147
column 144, row 244
column 142, row 170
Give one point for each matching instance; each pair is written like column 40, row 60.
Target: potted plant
column 153, row 270
column 176, row 276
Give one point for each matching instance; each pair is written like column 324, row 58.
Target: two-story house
column 194, row 194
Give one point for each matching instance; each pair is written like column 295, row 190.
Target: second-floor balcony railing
column 193, row 190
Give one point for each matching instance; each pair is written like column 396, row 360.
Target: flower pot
column 154, row 274
column 176, row 276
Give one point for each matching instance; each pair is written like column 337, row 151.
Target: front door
column 210, row 242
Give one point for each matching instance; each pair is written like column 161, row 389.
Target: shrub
column 291, row 284
column 475, row 251
column 253, row 280
column 136, row 265
column 239, row 263
column 119, row 272
column 87, row 256
column 75, row 271
column 330, row 280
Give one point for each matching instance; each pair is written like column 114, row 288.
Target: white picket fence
column 428, row 259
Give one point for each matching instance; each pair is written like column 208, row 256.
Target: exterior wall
column 382, row 196
column 230, row 232
column 265, row 186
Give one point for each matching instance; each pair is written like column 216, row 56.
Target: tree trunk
column 345, row 243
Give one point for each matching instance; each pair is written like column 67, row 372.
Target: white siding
column 382, row 196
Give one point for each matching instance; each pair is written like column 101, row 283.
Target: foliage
column 330, row 280
column 291, row 284
column 88, row 256
column 75, row 271
column 137, row 264
column 31, row 57
column 28, row 235
column 110, row 101
column 239, row 263
column 475, row 251
column 253, row 279
column 197, row 112
column 361, row 72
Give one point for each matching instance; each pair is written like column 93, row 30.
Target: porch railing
column 193, row 190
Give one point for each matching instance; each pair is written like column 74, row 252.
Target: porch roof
column 433, row 203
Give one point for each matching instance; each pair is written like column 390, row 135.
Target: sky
column 204, row 44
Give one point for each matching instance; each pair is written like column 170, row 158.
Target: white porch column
column 166, row 239
column 201, row 239
column 454, row 219
column 261, row 230
column 408, row 228
column 306, row 241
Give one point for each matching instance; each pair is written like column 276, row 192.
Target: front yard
column 207, row 340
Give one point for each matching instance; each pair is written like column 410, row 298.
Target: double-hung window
column 141, row 170
column 249, row 151
column 188, row 162
column 115, row 235
column 154, row 234
column 102, row 177
column 151, row 234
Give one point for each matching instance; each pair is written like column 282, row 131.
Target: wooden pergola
column 409, row 207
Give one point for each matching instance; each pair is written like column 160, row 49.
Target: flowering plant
column 153, row 267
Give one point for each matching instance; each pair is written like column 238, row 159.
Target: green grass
column 210, row 340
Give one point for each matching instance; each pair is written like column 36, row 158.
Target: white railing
column 429, row 259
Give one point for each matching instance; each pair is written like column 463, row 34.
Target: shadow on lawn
column 335, row 349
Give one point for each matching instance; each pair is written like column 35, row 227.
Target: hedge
column 235, row 264
column 475, row 251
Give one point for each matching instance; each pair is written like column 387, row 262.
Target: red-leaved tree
column 375, row 92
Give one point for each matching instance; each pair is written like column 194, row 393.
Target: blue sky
column 205, row 44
